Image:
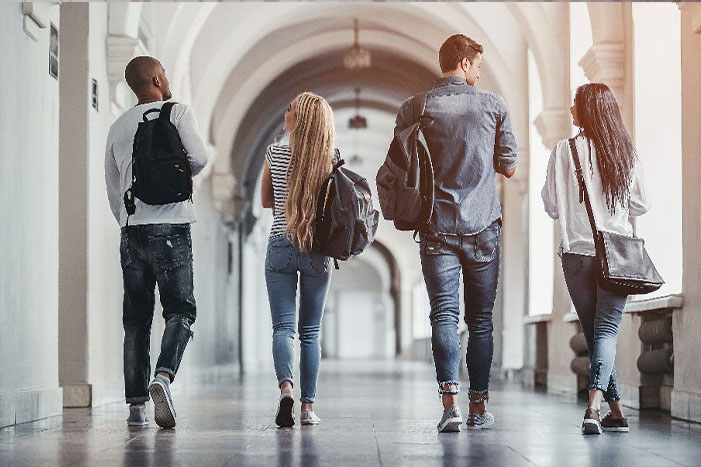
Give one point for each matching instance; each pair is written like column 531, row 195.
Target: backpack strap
column 150, row 111
column 419, row 105
column 165, row 111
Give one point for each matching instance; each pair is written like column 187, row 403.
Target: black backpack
column 346, row 222
column 405, row 182
column 161, row 173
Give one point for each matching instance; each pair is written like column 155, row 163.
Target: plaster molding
column 605, row 63
column 553, row 125
column 36, row 17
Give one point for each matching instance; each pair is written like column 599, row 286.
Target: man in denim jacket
column 468, row 131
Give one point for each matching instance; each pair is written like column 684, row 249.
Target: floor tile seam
column 377, row 442
column 519, row 454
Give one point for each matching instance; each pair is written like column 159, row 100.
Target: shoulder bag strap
column 583, row 192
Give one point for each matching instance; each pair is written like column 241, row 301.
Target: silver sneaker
column 451, row 421
column 137, row 415
column 477, row 422
column 163, row 409
column 308, row 417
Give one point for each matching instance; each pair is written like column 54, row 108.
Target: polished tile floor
column 374, row 414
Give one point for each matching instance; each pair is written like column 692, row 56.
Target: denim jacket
column 468, row 131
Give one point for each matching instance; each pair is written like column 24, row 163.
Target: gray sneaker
column 163, row 409
column 451, row 421
column 478, row 421
column 137, row 415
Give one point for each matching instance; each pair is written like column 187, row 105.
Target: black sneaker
column 591, row 424
column 620, row 425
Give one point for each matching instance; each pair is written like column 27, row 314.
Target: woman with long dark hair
column 613, row 177
column 292, row 177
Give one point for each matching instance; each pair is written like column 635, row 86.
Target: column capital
column 553, row 125
column 223, row 187
column 605, row 63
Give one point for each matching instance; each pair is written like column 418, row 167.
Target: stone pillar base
column 77, row 395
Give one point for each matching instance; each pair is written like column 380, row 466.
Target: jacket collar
column 449, row 80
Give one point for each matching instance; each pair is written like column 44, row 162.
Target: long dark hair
column 601, row 122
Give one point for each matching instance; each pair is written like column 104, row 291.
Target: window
column 540, row 227
column 657, row 115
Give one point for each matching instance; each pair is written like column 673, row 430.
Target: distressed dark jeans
column 443, row 258
column 155, row 254
column 600, row 314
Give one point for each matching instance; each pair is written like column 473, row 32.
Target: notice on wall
column 53, row 51
column 94, row 95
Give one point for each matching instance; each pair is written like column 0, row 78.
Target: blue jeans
column 600, row 313
column 155, row 254
column 443, row 257
column 285, row 265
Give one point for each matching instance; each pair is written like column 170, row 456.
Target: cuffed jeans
column 155, row 254
column 443, row 257
column 285, row 266
column 600, row 313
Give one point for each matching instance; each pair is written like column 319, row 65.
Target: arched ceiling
column 241, row 63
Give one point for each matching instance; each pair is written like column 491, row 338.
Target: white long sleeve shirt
column 561, row 198
column 118, row 158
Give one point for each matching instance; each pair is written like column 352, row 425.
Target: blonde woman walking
column 292, row 177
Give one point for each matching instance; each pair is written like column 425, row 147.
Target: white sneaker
column 308, row 417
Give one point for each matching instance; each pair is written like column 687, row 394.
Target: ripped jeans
column 600, row 313
column 443, row 259
column 155, row 254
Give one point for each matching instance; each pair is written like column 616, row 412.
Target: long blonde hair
column 312, row 143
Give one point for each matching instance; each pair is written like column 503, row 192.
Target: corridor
column 238, row 66
column 374, row 413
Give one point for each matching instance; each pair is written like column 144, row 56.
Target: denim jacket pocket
column 486, row 243
column 278, row 256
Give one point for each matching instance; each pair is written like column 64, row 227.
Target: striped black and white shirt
column 278, row 157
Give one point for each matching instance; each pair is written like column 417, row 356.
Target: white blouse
column 561, row 198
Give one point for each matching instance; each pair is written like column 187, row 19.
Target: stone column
column 73, row 206
column 686, row 396
column 554, row 125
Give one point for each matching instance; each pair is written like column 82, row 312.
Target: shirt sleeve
column 112, row 181
column 549, row 192
column 192, row 142
column 505, row 151
column 639, row 202
column 403, row 116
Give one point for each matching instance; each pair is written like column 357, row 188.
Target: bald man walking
column 156, row 247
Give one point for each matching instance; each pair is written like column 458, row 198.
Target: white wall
column 29, row 226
